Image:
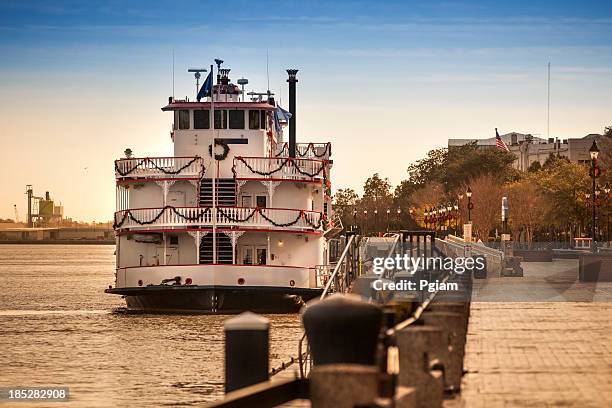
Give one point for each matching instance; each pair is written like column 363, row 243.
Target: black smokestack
column 292, row 81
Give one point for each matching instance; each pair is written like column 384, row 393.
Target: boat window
column 261, row 201
column 220, row 119
column 183, row 119
column 254, row 119
column 247, row 201
column 201, row 119
column 236, row 119
column 261, row 256
column 263, row 122
column 247, row 255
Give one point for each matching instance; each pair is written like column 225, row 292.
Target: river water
column 58, row 328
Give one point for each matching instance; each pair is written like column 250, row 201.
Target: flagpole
column 214, row 180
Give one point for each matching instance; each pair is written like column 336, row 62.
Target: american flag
column 500, row 143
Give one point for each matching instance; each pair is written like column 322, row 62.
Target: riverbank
column 59, row 242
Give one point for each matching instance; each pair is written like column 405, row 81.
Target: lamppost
column 435, row 219
column 607, row 191
column 355, row 218
column 388, row 212
column 426, row 215
column 410, row 216
column 470, row 206
column 598, row 203
column 442, row 219
column 365, row 221
column 594, row 173
column 399, row 221
column 449, row 216
column 456, row 218
column 376, row 220
column 587, row 204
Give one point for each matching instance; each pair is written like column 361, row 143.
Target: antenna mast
column 173, row 74
column 548, row 107
column 267, row 70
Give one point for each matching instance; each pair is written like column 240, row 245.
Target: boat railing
column 167, row 167
column 306, row 150
column 172, row 217
column 279, row 168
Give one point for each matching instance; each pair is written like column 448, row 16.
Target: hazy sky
column 383, row 81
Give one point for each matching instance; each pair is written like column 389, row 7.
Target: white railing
column 182, row 217
column 158, row 167
column 278, row 168
column 320, row 151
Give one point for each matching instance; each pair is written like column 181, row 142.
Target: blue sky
column 384, row 81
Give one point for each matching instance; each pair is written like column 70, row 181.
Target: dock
column 540, row 353
column 535, row 339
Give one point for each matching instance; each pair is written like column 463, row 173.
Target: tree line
column 547, row 202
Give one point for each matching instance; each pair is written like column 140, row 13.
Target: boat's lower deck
column 215, row 299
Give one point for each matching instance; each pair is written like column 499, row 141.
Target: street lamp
column 594, row 173
column 456, row 218
column 607, row 191
column 435, row 219
column 388, row 212
column 399, row 221
column 376, row 220
column 468, row 193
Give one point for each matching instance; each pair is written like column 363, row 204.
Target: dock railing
column 437, row 364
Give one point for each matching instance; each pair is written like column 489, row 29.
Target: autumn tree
column 487, row 193
column 528, row 208
column 344, row 203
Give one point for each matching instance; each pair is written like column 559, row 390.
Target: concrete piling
column 343, row 385
column 454, row 331
column 422, row 349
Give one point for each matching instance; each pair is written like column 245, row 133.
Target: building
column 529, row 149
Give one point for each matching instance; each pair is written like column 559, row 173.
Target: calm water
column 57, row 328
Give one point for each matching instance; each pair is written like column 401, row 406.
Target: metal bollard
column 343, row 329
column 246, row 350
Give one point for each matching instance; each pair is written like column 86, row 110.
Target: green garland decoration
column 127, row 214
column 146, row 160
column 223, row 155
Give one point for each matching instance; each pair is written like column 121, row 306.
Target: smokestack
column 292, row 81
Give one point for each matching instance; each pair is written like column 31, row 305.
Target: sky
column 385, row 82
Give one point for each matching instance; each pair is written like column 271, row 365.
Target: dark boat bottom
column 215, row 299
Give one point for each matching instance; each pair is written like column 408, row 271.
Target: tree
column 376, row 200
column 344, row 202
column 564, row 185
column 487, row 193
column 535, row 166
column 528, row 208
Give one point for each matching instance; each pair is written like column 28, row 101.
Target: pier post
column 421, row 352
column 246, row 350
column 343, row 329
column 454, row 329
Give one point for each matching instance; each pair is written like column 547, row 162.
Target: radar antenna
column 197, row 76
column 242, row 82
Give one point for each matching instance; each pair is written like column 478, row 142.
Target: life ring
column 223, row 155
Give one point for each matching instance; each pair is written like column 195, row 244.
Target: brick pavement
column 539, row 353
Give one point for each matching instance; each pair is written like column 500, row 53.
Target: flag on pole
column 206, row 88
column 499, row 143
